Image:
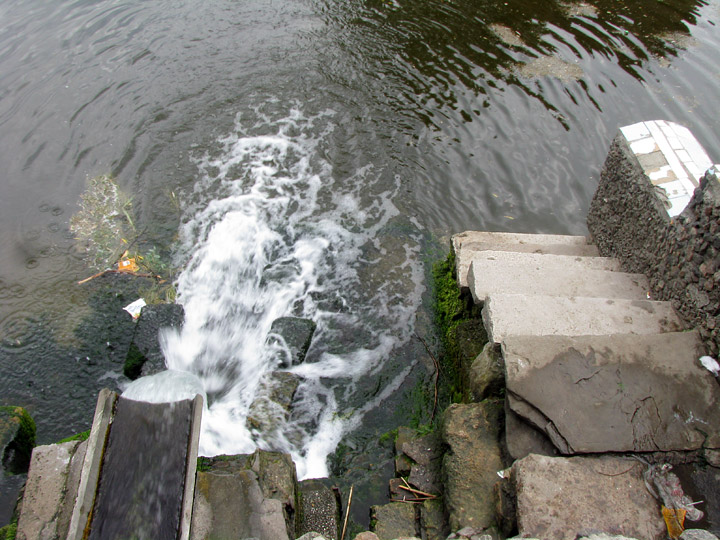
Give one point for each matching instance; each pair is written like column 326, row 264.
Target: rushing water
column 305, row 158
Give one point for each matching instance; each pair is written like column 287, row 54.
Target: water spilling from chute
column 270, row 232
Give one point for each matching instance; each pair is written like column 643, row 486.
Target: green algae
column 17, row 438
column 458, row 323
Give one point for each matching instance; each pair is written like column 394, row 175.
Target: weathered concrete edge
column 191, row 470
column 91, row 465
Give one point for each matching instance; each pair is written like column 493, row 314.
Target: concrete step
column 467, row 243
column 535, row 315
column 551, row 275
column 640, row 393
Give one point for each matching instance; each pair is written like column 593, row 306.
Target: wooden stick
column 347, row 512
column 93, row 277
column 418, row 492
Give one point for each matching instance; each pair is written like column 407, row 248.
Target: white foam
column 269, row 232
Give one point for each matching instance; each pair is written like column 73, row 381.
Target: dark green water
column 305, row 158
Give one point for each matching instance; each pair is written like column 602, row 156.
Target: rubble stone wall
column 680, row 256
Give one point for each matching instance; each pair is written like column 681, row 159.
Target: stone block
column 563, row 498
column 144, row 355
column 394, row 520
column 522, row 439
column 278, row 480
column 44, row 496
column 272, row 406
column 471, row 463
column 319, row 510
column 367, row 535
column 17, row 439
column 293, row 336
column 433, row 523
column 426, row 454
column 232, row 505
column 486, row 376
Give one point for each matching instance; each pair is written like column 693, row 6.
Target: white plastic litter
column 710, row 364
column 135, row 307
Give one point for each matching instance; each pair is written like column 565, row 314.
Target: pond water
column 306, row 158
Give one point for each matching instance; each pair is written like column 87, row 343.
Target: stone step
column 507, row 315
column 551, row 275
column 640, row 393
column 465, row 244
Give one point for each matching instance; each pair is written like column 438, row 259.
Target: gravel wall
column 680, row 256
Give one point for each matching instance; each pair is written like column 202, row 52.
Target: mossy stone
column 17, row 438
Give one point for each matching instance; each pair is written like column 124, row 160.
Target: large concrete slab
column 467, row 243
column 566, row 498
column 617, row 393
column 552, row 275
column 507, row 315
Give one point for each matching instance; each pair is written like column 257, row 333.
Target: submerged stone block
column 272, row 406
column 144, row 355
column 294, row 335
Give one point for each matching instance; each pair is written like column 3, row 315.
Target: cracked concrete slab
column 620, row 393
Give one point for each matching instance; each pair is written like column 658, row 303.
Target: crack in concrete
column 589, row 376
column 649, row 435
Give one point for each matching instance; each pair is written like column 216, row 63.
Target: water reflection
column 433, row 46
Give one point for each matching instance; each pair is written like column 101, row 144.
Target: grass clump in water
column 103, row 221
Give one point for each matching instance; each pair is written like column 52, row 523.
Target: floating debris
column 507, row 35
column 550, row 66
column 135, row 308
column 103, row 221
column 581, row 9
